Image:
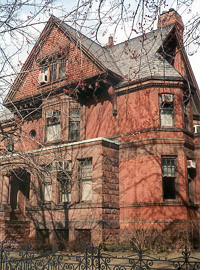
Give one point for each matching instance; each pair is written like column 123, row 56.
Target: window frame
column 84, row 180
column 46, row 183
column 64, row 181
column 56, row 124
column 167, row 107
column 172, row 176
column 77, row 122
column 60, row 65
column 186, row 119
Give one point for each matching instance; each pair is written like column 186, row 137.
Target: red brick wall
column 79, row 66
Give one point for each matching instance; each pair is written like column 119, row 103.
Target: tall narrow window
column 74, row 124
column 47, row 184
column 53, row 72
column 65, row 186
column 53, row 125
column 64, row 178
column 185, row 116
column 169, row 177
column 62, row 68
column 86, row 171
column 166, row 110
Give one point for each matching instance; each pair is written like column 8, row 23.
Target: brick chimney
column 171, row 17
column 110, row 42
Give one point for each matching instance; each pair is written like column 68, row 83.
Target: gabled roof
column 132, row 60
column 138, row 54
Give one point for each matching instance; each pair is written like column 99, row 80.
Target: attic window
column 53, row 69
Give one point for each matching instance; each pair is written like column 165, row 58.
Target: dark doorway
column 20, row 187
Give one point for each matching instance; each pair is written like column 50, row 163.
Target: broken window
column 169, row 177
column 53, row 125
column 74, row 124
column 86, row 171
column 166, row 110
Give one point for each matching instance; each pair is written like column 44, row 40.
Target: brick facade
column 123, row 138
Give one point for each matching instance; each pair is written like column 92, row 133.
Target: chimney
column 110, row 42
column 171, row 17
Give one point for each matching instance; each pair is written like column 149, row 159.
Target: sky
column 61, row 9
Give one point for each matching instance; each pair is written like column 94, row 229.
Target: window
column 166, row 110
column 62, row 68
column 10, row 144
column 86, row 171
column 169, row 177
column 52, row 70
column 47, row 184
column 74, row 124
column 53, row 125
column 64, row 178
column 64, row 186
column 185, row 115
column 191, row 174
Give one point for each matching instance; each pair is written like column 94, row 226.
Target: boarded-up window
column 86, row 171
column 74, row 124
column 166, row 110
column 53, row 125
column 169, row 178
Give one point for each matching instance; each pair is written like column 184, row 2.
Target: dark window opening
column 65, row 186
column 191, row 185
column 32, row 133
column 74, row 124
column 169, row 178
column 10, row 144
column 185, row 105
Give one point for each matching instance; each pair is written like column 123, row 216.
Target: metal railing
column 93, row 258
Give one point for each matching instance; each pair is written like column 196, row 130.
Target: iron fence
column 93, row 258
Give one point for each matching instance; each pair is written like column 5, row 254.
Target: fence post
column 99, row 257
column 140, row 254
column 1, row 255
